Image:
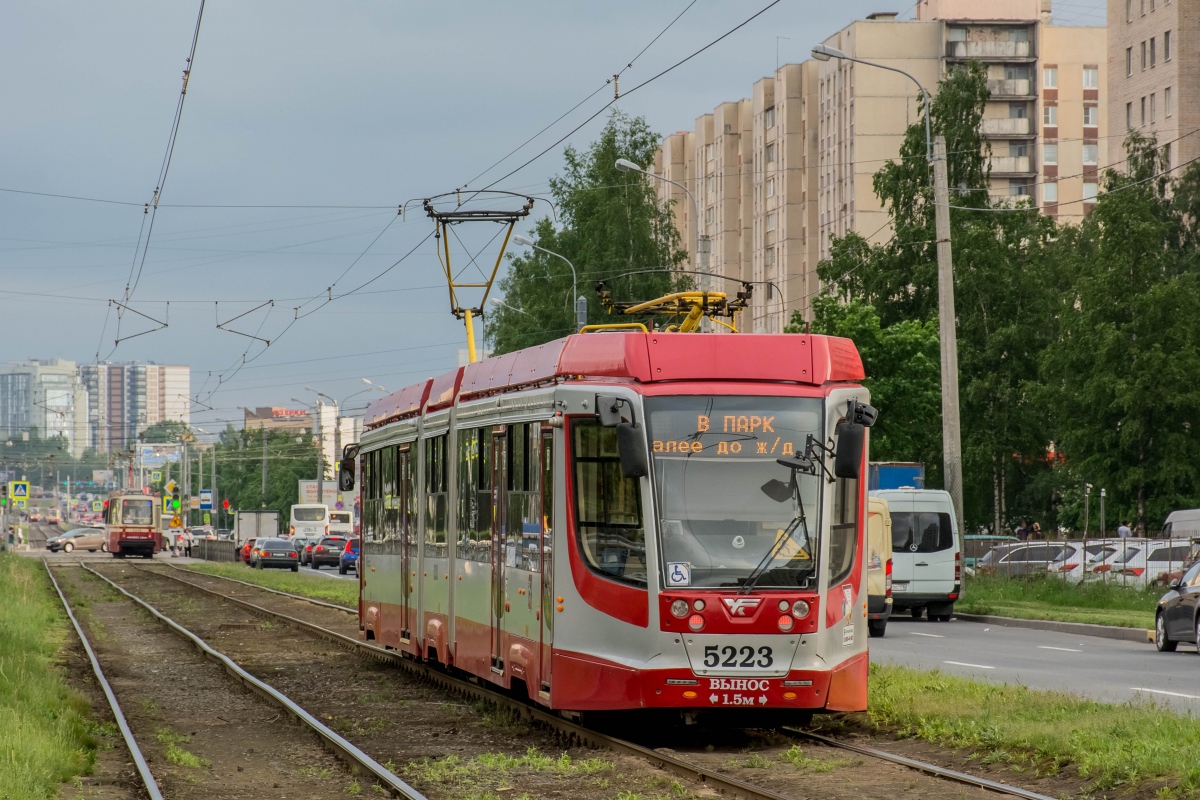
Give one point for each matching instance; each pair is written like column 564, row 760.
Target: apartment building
column 125, row 399
column 778, row 175
column 45, row 397
column 1154, row 69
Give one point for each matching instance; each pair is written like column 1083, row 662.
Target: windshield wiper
column 799, row 520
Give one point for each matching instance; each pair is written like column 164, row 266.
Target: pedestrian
column 20, row 537
column 1022, row 531
column 187, row 542
column 1124, row 531
column 1036, row 533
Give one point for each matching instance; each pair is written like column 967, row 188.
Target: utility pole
column 947, row 330
column 317, row 435
column 215, row 503
column 199, row 477
column 264, row 479
column 1102, row 527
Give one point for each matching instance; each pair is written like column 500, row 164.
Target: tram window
column 843, row 533
column 407, row 496
column 370, row 497
column 436, row 496
column 475, row 494
column 388, row 501
column 608, row 506
column 523, row 527
column 137, row 512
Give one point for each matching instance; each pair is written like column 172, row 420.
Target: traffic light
column 175, row 502
column 3, row 494
column 225, row 504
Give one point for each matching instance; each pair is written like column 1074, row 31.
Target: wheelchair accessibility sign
column 679, row 573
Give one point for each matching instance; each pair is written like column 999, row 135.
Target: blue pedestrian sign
column 19, row 492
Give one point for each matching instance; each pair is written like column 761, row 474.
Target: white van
column 309, row 519
column 1182, row 525
column 926, row 560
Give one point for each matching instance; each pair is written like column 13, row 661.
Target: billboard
column 337, row 501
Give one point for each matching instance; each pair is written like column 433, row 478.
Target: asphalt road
column 1104, row 669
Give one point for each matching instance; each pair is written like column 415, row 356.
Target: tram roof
column 634, row 357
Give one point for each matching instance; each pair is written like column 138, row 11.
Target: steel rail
column 920, row 766
column 332, row 740
column 315, row 602
column 139, row 760
column 726, row 785
column 721, row 783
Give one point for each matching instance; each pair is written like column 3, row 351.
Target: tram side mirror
column 847, row 462
column 632, row 448
column 777, row 490
column 608, row 410
column 346, row 468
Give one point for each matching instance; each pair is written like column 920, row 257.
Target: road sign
column 97, row 505
column 167, row 505
column 18, row 489
column 194, row 503
column 207, row 518
column 156, row 476
column 206, row 499
column 171, row 487
column 176, row 522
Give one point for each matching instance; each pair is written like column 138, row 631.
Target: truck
column 255, row 525
column 896, row 475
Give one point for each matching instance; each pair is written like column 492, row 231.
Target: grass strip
column 341, row 592
column 1108, row 746
column 44, row 724
column 1095, row 602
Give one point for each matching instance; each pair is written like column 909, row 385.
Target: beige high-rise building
column 1154, row 69
column 125, row 399
column 777, row 176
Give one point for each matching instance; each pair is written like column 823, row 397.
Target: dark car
column 349, row 558
column 327, row 552
column 247, row 549
column 1020, row 558
column 304, row 547
column 270, row 553
column 1178, row 617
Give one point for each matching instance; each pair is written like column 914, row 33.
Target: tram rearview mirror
column 632, row 449
column 346, row 468
column 777, row 490
column 608, row 410
column 847, row 462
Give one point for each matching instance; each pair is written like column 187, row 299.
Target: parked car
column 327, row 552
column 1077, row 558
column 1178, row 616
column 926, row 560
column 247, row 549
column 1142, row 566
column 91, row 539
column 1021, row 558
column 976, row 544
column 349, row 558
column 224, row 534
column 271, row 553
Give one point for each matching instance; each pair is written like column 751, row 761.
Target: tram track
column 175, row 688
column 706, row 776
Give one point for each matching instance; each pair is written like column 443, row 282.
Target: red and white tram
column 133, row 524
column 602, row 522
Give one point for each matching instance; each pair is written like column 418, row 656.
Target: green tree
column 610, row 226
column 1124, row 373
column 163, row 432
column 291, row 458
column 901, row 362
column 1003, row 303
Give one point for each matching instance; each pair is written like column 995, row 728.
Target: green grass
column 44, row 739
column 1046, row 598
column 176, row 754
column 341, row 592
column 469, row 777
column 1039, row 732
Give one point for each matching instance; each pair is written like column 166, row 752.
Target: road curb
column 1076, row 628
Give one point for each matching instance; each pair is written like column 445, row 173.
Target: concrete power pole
column 215, row 516
column 264, row 477
column 951, row 431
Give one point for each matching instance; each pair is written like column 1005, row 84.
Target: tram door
column 402, row 497
column 499, row 524
column 547, row 547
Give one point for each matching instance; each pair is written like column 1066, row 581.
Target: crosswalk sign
column 97, row 505
column 167, row 505
column 156, row 476
column 18, row 489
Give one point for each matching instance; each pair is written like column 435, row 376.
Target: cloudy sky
column 305, row 125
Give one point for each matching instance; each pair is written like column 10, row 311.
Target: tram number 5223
column 729, row 656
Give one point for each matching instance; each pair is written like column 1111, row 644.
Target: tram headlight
column 696, row 622
column 800, row 609
column 786, row 623
column 783, row 606
column 679, row 608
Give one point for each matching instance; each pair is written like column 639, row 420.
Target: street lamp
column 580, row 302
column 935, row 152
column 503, row 304
column 703, row 242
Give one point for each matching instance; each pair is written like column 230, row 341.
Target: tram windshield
column 712, row 455
column 137, row 512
